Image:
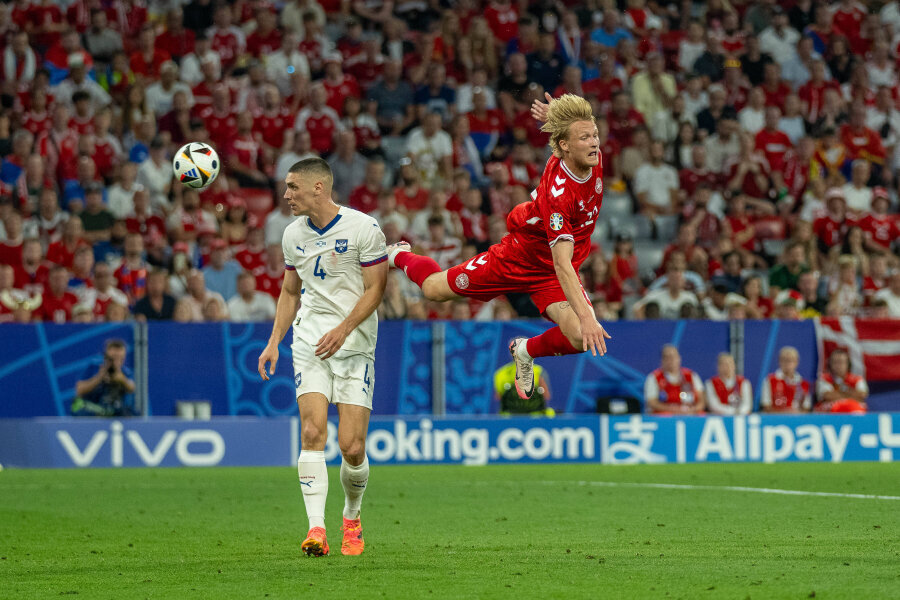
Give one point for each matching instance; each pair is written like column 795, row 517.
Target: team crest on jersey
column 556, row 221
column 598, row 187
column 297, row 379
column 340, row 246
column 462, row 281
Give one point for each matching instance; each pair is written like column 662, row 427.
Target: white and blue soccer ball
column 196, row 165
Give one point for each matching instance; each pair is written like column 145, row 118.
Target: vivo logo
column 210, row 452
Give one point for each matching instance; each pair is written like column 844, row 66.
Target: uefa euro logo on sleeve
column 340, row 246
column 556, row 221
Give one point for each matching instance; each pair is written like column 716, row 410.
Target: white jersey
column 329, row 263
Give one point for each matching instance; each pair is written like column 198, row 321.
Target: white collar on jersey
column 572, row 175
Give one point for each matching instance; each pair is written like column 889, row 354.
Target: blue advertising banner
column 159, row 442
column 476, row 441
column 754, row 438
column 40, row 363
column 475, row 350
column 217, row 363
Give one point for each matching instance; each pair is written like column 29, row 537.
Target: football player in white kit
column 339, row 257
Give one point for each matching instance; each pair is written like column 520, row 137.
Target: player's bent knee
column 313, row 437
column 354, row 451
column 436, row 288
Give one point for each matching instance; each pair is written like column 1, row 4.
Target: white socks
column 354, row 480
column 314, row 483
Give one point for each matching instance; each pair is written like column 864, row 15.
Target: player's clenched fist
column 269, row 355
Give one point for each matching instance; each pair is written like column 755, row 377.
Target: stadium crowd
column 750, row 149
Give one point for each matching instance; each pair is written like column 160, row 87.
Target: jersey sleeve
column 765, row 396
column 746, row 398
column 371, row 244
column 287, row 248
column 556, row 209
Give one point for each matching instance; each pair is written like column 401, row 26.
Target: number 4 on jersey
column 317, row 271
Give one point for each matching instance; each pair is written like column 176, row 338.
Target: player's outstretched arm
column 285, row 311
column 374, row 281
column 539, row 109
column 592, row 333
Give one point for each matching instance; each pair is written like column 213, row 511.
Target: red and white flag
column 873, row 345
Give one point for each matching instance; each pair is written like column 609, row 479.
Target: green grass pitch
column 455, row 532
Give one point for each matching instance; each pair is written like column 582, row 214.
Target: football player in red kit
column 549, row 238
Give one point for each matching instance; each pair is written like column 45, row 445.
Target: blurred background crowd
column 750, row 149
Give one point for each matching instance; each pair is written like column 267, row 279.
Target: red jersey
column 269, row 282
column 830, row 231
column 148, row 67
column 813, row 94
column 681, row 392
column 106, row 155
column 870, row 286
column 250, row 260
column 474, row 225
column 321, row 125
column 848, row 21
column 415, row 202
column 882, row 230
column 31, row 283
column 621, row 128
column 863, row 143
column 780, row 393
column 150, row 227
column 602, row 89
column 739, row 224
column 366, row 71
column 503, row 21
column 337, row 92
column 245, row 149
column 608, row 151
column 202, row 97
column 729, row 396
column 263, row 45
column 796, row 174
column 775, row 95
column 774, row 144
column 363, row 199
column 564, row 208
column 37, row 123
column 228, row 44
column 271, row 126
column 61, row 254
column 81, row 125
column 10, row 254
column 177, row 45
column 691, row 178
column 57, row 308
column 621, row 269
column 222, row 127
column 522, row 175
column 102, row 300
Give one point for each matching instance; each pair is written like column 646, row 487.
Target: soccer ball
column 196, row 165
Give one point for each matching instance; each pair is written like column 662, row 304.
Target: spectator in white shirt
column 856, row 191
column 880, row 66
column 728, row 393
column 753, row 116
column 192, row 64
column 891, row 295
column 656, row 184
column 779, row 39
column 249, row 304
column 287, row 64
column 160, row 93
column 120, row 195
column 691, row 47
column 431, row 150
column 671, row 300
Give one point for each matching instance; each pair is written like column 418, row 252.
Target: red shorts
column 496, row 272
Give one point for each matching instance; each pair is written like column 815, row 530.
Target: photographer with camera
column 106, row 390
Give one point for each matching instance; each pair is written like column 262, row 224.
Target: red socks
column 551, row 343
column 416, row 267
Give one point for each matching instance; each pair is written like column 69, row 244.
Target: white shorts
column 349, row 379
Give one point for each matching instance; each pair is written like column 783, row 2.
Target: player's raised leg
column 421, row 270
column 312, row 471
column 354, row 423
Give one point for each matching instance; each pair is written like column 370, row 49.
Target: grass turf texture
column 454, row 532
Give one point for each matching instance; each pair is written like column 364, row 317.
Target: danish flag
column 873, row 345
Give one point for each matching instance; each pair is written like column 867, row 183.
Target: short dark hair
column 312, row 166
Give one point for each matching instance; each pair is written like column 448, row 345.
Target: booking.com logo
column 402, row 441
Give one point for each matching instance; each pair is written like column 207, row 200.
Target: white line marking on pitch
column 727, row 488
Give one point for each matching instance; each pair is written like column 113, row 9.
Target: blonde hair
column 563, row 112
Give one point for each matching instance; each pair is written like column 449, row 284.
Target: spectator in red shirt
column 244, row 153
column 147, row 59
column 274, row 125
column 831, row 228
column 176, row 40
column 812, row 93
column 881, row 229
column 11, row 247
column 749, row 172
column 220, row 120
column 473, row 220
column 32, row 273
column 151, row 227
column 252, row 255
column 338, row 85
column 623, row 270
column 58, row 301
column 266, row 38
column 269, row 277
column 319, row 119
column 877, row 279
column 503, row 19
column 623, row 119
column 773, row 87
column 485, row 124
column 227, row 40
column 696, row 174
column 131, row 275
column 411, row 196
column 63, row 251
column 774, row 143
column 364, row 197
column 862, row 142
